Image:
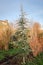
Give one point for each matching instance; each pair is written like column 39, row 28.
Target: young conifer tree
column 22, row 37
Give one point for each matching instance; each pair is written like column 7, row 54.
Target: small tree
column 22, row 37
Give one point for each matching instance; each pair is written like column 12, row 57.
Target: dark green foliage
column 10, row 52
column 11, row 46
column 18, row 52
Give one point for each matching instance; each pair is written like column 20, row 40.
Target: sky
column 10, row 9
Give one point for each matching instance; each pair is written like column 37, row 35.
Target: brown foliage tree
column 34, row 43
column 5, row 34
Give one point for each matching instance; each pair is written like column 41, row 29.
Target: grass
column 36, row 61
column 10, row 52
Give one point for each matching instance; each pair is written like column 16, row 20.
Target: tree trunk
column 23, row 59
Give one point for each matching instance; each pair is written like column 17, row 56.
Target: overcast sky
column 10, row 9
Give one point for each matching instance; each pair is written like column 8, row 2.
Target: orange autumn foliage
column 5, row 34
column 36, row 42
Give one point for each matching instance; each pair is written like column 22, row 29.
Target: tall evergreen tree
column 21, row 34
